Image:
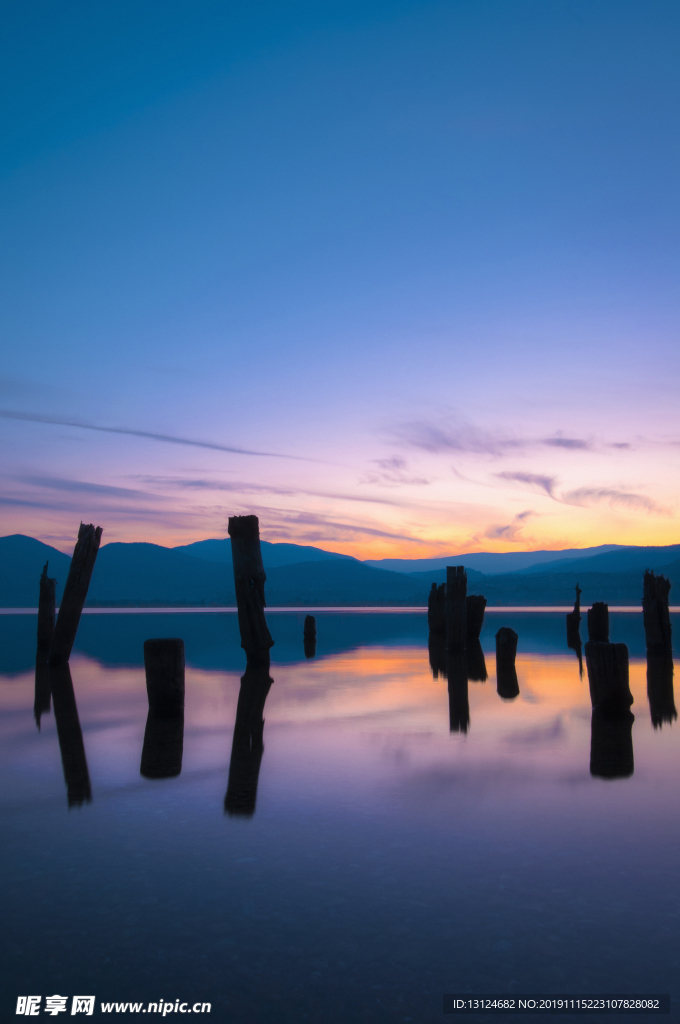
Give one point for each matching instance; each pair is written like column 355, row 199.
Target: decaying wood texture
column 249, row 580
column 456, row 594
column 608, row 676
column 436, row 609
column 598, row 623
column 474, row 617
column 46, row 614
column 75, row 593
column 164, row 668
column 656, row 614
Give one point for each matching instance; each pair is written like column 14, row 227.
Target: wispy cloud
column 584, row 496
column 543, row 483
column 572, row 443
column 129, row 431
column 85, row 487
column 314, row 526
column 457, row 435
column 509, row 531
column 392, row 472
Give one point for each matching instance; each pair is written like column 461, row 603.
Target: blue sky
column 423, row 256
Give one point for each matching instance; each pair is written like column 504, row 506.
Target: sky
column 401, row 278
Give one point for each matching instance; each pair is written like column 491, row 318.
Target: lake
column 370, row 859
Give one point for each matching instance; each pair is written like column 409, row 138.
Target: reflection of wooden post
column 436, row 646
column 655, row 613
column 476, row 665
column 248, row 743
column 660, row 689
column 436, row 609
column 163, row 745
column 70, row 735
column 598, row 623
column 164, row 667
column 507, row 685
column 46, row 613
column 43, row 693
column 249, row 580
column 611, row 745
column 608, row 676
column 474, row 617
column 456, row 592
column 75, row 593
column 309, row 636
column 459, row 704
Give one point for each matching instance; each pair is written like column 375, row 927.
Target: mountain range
column 140, row 574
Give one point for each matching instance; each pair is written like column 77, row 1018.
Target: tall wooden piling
column 598, row 623
column 456, row 594
column 46, row 614
column 249, row 580
column 655, row 613
column 608, row 677
column 574, row 621
column 475, row 605
column 75, row 593
column 436, row 609
column 164, row 668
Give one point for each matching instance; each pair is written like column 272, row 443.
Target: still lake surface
column 386, row 860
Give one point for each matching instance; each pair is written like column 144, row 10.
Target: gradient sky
column 399, row 277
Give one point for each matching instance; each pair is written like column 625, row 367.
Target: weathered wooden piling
column 507, row 685
column 598, row 623
column 611, row 745
column 163, row 745
column 436, row 609
column 608, row 677
column 475, row 605
column 456, row 594
column 164, row 668
column 46, row 614
column 574, row 621
column 248, row 742
column 70, row 735
column 655, row 613
column 75, row 593
column 660, row 689
column 459, row 704
column 476, row 665
column 249, row 580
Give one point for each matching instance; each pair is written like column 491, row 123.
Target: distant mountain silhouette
column 273, row 555
column 342, row 582
column 620, row 560
column 488, row 562
column 21, row 563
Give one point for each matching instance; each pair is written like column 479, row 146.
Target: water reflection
column 42, row 693
column 436, row 647
column 507, row 685
column 660, row 689
column 476, row 665
column 70, row 735
column 163, row 745
column 459, row 704
column 611, row 745
column 248, row 743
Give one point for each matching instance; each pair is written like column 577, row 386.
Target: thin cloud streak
column 466, row 437
column 165, row 438
column 544, row 483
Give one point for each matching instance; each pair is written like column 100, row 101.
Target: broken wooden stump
column 611, row 745
column 475, row 605
column 248, row 742
column 660, row 689
column 75, row 593
column 598, row 623
column 655, row 613
column 507, row 685
column 70, row 735
column 456, row 594
column 436, row 609
column 476, row 664
column 309, row 636
column 249, row 580
column 163, row 745
column 46, row 614
column 164, row 668
column 608, row 677
column 459, row 704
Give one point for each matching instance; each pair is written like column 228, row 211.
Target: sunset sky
column 399, row 277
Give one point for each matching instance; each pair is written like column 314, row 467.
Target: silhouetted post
column 474, row 617
column 164, row 668
column 75, row 593
column 574, row 621
column 656, row 614
column 507, row 685
column 43, row 693
column 611, row 745
column 249, row 580
column 309, row 636
column 163, row 745
column 598, row 623
column 70, row 735
column 46, row 614
column 476, row 665
column 459, row 705
column 456, row 593
column 608, row 677
column 660, row 689
column 248, row 743
column 436, row 609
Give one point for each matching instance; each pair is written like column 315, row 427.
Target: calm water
column 387, row 860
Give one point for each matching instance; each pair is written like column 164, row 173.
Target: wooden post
column 75, row 593
column 608, row 676
column 598, row 623
column 46, row 614
column 248, row 743
column 163, row 745
column 164, row 667
column 660, row 689
column 309, row 636
column 459, row 704
column 436, row 609
column 574, row 621
column 474, row 617
column 611, row 745
column 507, row 685
column 73, row 759
column 456, row 592
column 655, row 613
column 249, row 580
